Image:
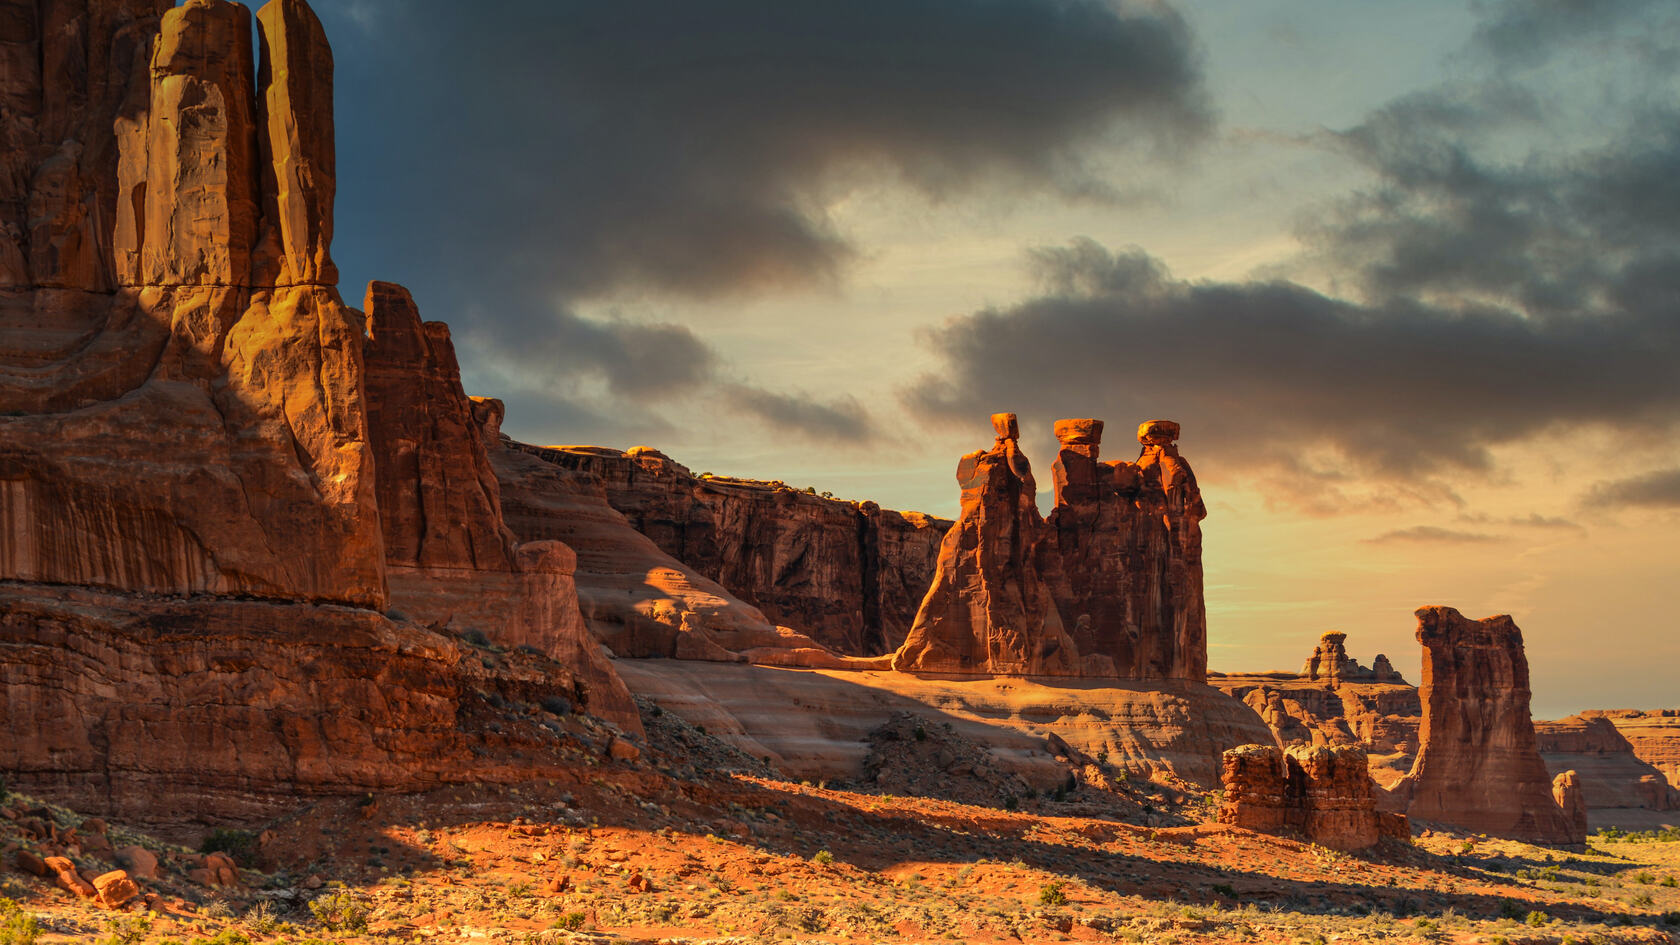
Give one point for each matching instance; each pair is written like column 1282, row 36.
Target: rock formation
column 1119, row 560
column 184, row 426
column 1322, row 793
column 1477, row 765
column 1567, row 793
column 1654, row 736
column 990, row 608
column 1613, row 781
column 1331, row 664
column 450, row 558
column 1128, row 540
column 848, row 575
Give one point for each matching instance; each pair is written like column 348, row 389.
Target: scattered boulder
column 620, row 749
column 139, row 861
column 64, row 873
column 115, row 889
column 33, row 865
column 216, row 869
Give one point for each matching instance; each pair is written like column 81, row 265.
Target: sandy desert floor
column 695, row 842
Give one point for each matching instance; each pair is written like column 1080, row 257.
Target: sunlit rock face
column 176, row 419
column 1321, row 793
column 185, row 426
column 1478, row 765
column 1109, row 586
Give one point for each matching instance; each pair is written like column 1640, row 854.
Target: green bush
column 239, row 844
column 340, row 911
column 571, row 921
column 1052, row 894
column 17, row 927
column 1538, row 918
column 822, row 858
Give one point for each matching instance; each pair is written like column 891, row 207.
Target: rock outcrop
column 1613, row 781
column 211, row 710
column 1653, row 734
column 1478, row 765
column 1567, row 793
column 1336, row 701
column 450, row 558
column 848, row 575
column 1331, row 664
column 1109, row 586
column 198, row 590
column 1322, row 793
column 990, row 608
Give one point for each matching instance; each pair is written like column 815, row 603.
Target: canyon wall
column 848, row 575
column 199, row 577
column 1109, row 586
column 1610, row 775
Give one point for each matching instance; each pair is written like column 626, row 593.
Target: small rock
column 314, row 881
column 621, row 750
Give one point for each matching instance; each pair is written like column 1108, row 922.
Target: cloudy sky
column 1409, row 274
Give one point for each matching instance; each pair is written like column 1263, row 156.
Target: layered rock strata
column 1654, row 736
column 1336, row 701
column 1611, row 777
column 184, row 426
column 1109, row 586
column 450, row 558
column 849, row 575
column 1478, row 765
column 1322, row 793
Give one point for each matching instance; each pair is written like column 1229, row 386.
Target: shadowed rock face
column 1610, row 776
column 1478, row 765
column 450, row 558
column 184, row 411
column 1118, row 562
column 848, row 575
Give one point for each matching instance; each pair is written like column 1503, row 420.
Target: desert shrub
column 340, row 911
column 128, row 930
column 822, row 858
column 1644, row 879
column 17, row 927
column 571, row 921
column 1052, row 894
column 1538, row 918
column 1011, row 802
column 238, row 844
column 1642, row 900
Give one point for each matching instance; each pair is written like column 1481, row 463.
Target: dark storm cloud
column 687, row 146
column 1267, row 372
column 1660, row 489
column 1433, row 535
column 842, row 420
column 512, row 160
column 1503, row 291
column 634, row 361
column 1526, row 32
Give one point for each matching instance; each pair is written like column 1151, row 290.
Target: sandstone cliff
column 184, row 414
column 848, row 575
column 1478, row 765
column 450, row 558
column 1612, row 779
column 1109, row 586
column 1654, row 736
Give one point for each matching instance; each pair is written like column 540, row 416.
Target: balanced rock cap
column 1006, row 426
column 1084, row 432
column 1158, row 432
